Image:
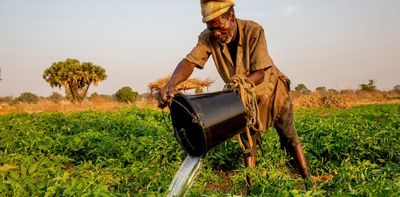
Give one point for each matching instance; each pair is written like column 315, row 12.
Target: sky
column 333, row 43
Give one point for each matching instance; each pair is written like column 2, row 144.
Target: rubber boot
column 249, row 162
column 300, row 159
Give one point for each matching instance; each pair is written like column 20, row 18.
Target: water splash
column 184, row 177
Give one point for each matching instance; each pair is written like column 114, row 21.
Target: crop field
column 132, row 152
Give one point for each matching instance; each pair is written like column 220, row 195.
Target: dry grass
column 63, row 106
column 343, row 99
column 192, row 83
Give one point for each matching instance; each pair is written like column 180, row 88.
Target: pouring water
column 185, row 176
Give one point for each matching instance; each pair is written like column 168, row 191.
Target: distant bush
column 332, row 91
column 320, row 89
column 126, row 94
column 27, row 97
column 56, row 97
column 370, row 86
column 396, row 88
column 96, row 97
column 6, row 99
column 301, row 88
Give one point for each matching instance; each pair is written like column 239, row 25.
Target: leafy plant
column 132, row 153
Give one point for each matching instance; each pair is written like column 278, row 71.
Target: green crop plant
column 132, row 152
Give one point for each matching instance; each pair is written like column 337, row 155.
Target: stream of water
column 185, row 176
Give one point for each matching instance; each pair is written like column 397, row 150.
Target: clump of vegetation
column 56, row 97
column 6, row 99
column 396, row 88
column 27, row 97
column 126, row 95
column 370, row 86
column 96, row 97
column 302, row 89
column 321, row 89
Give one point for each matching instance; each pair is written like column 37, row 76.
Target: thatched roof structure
column 192, row 83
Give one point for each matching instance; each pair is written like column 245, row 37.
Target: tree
column 27, row 97
column 396, row 88
column 301, row 88
column 0, row 74
column 370, row 86
column 126, row 94
column 6, row 99
column 74, row 76
column 320, row 89
column 56, row 97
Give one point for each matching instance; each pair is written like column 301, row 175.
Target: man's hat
column 211, row 9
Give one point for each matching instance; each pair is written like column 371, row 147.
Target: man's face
column 222, row 28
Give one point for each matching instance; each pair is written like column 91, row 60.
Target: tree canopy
column 370, row 86
column 74, row 76
column 396, row 88
column 126, row 94
column 28, row 97
column 301, row 88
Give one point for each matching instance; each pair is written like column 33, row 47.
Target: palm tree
column 75, row 77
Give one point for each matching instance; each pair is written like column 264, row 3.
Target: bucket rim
column 194, row 109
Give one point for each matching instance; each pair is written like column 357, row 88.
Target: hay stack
column 192, row 83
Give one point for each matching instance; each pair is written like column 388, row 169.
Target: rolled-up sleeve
column 259, row 58
column 201, row 52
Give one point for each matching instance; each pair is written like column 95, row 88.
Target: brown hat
column 211, row 9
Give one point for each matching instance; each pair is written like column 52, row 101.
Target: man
column 239, row 47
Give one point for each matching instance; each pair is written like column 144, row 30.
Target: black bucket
column 203, row 121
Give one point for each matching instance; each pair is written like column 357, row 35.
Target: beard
column 227, row 40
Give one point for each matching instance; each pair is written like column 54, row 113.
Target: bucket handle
column 196, row 118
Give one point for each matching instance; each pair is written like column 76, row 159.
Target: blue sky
column 337, row 43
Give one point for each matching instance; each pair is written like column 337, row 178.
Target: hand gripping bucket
column 203, row 121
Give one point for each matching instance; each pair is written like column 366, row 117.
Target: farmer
column 239, row 50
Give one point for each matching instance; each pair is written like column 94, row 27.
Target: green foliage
column 27, row 97
column 126, row 94
column 56, row 97
column 75, row 77
column 133, row 153
column 370, row 86
column 301, row 88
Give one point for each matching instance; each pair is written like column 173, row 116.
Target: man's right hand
column 165, row 96
column 181, row 73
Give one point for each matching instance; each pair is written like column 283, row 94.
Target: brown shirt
column 251, row 55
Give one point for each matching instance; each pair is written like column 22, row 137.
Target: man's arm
column 182, row 73
column 257, row 77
